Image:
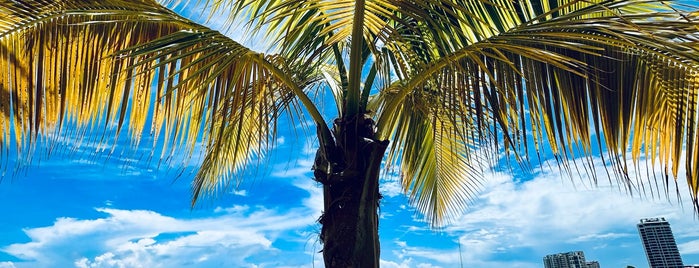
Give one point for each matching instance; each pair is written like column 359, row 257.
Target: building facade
column 659, row 243
column 573, row 259
column 592, row 264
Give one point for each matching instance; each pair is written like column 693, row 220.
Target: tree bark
column 349, row 172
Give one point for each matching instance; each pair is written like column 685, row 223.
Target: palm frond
column 574, row 78
column 131, row 63
column 54, row 56
column 438, row 156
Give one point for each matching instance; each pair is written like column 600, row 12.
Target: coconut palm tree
column 435, row 89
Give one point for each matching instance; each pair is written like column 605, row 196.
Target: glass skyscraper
column 659, row 243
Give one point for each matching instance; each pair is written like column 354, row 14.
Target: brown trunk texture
column 349, row 171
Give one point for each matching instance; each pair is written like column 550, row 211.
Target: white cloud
column 390, row 185
column 391, row 264
column 517, row 219
column 315, row 199
column 128, row 238
column 240, row 192
column 541, row 215
column 547, row 213
column 691, row 247
column 220, row 21
column 298, row 166
column 235, row 209
column 470, row 255
column 607, row 236
column 7, row 264
column 239, row 236
column 440, row 256
column 406, row 263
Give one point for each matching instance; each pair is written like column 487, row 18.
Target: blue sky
column 78, row 208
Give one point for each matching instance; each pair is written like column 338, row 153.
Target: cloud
column 238, row 236
column 408, row 263
column 126, row 238
column 434, row 255
column 468, row 256
column 519, row 218
column 691, row 247
column 219, row 21
column 240, row 192
column 547, row 214
column 390, row 184
column 315, row 200
column 607, row 236
column 297, row 166
column 242, row 235
column 235, row 209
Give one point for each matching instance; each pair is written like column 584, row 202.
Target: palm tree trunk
column 349, row 171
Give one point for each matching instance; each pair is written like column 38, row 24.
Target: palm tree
column 450, row 83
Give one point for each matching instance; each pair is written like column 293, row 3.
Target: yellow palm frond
column 55, row 55
column 132, row 63
column 438, row 156
column 545, row 76
column 303, row 28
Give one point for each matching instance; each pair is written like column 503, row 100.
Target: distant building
column 592, row 264
column 573, row 259
column 659, row 243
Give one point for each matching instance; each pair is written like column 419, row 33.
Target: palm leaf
column 437, row 155
column 94, row 64
column 55, row 54
column 624, row 69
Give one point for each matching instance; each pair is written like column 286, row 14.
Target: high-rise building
column 592, row 264
column 659, row 243
column 573, row 259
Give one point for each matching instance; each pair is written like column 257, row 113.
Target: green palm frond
column 437, row 155
column 45, row 48
column 303, row 28
column 92, row 64
column 552, row 77
column 457, row 80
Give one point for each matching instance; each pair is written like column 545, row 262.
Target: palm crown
column 449, row 83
